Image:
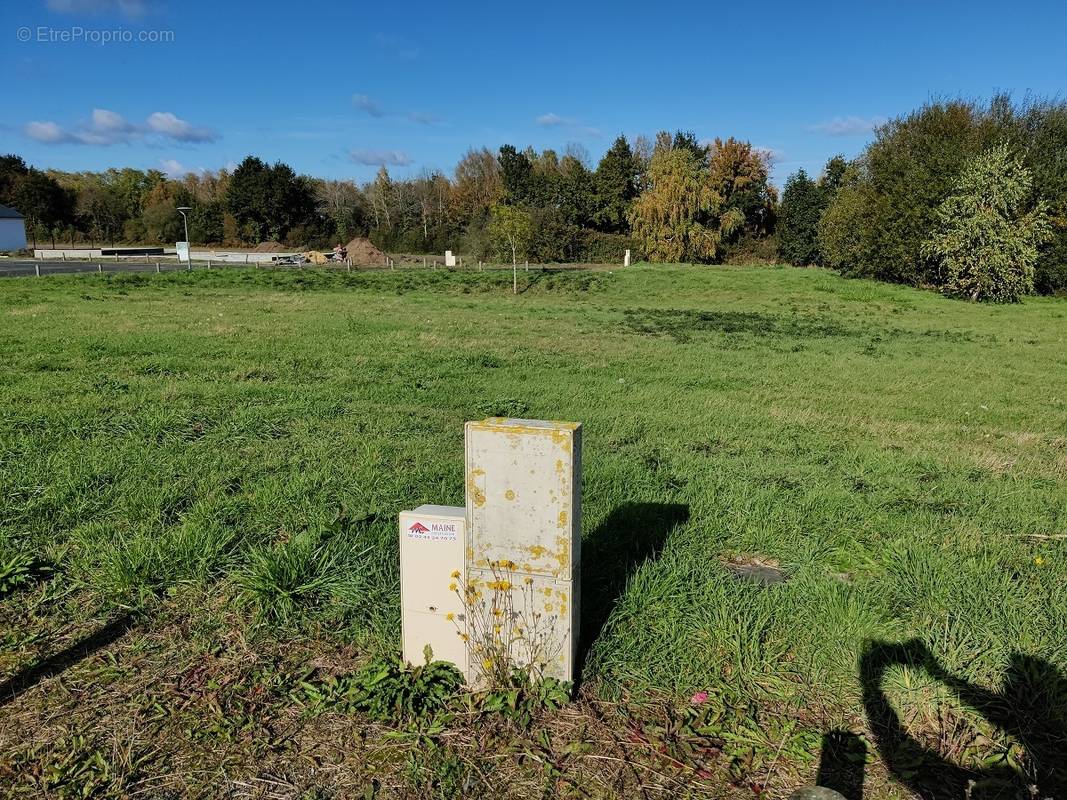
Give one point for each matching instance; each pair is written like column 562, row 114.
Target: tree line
column 965, row 197
column 961, row 196
column 542, row 206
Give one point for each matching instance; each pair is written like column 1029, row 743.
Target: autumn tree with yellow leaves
column 699, row 200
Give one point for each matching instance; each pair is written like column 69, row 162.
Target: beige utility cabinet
column 432, row 543
column 524, row 510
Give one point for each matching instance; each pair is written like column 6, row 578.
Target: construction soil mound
column 270, row 247
column 365, row 254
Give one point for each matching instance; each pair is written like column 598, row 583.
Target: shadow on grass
column 1031, row 708
column 58, row 663
column 841, row 763
column 631, row 534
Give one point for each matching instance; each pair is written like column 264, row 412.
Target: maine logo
column 433, row 531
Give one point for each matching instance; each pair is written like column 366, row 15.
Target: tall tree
column 987, row 232
column 515, row 171
column 478, row 184
column 43, row 202
column 12, row 170
column 678, row 217
column 738, row 173
column 616, row 186
column 798, row 220
column 268, row 201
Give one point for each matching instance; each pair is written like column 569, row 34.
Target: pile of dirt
column 362, row 253
column 270, row 247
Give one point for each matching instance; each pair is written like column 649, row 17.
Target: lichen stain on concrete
column 476, row 493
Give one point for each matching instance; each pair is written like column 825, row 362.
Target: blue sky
column 336, row 88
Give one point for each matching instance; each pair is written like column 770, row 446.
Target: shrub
column 986, row 241
column 604, row 248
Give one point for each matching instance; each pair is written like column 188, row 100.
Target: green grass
column 901, row 456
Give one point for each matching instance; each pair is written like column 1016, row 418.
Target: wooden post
column 157, row 268
column 37, row 269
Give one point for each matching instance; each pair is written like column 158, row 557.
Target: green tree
column 12, row 170
column 515, row 170
column 738, row 174
column 268, row 201
column 687, row 140
column 43, row 202
column 798, row 220
column 677, row 218
column 615, row 183
column 577, row 195
column 987, row 233
column 833, row 176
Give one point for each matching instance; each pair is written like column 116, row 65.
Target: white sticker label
column 431, row 531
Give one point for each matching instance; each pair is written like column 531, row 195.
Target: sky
column 336, row 89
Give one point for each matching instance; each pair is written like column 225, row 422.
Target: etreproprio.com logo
column 76, row 34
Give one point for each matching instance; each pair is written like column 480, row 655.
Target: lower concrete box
column 530, row 618
column 432, row 545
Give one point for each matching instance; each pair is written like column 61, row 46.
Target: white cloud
column 552, row 120
column 47, row 132
column 377, row 158
column 105, row 128
column 848, row 126
column 127, row 8
column 165, row 123
column 176, row 169
column 368, row 104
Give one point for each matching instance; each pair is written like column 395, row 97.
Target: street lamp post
column 188, row 253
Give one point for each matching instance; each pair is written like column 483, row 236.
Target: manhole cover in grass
column 757, row 570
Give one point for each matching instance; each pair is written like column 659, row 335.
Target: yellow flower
column 455, row 573
column 497, row 612
column 450, row 616
column 527, row 580
column 496, row 629
column 487, row 664
column 1039, row 561
column 452, row 586
column 464, row 637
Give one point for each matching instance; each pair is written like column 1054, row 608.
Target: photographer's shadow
column 1030, row 709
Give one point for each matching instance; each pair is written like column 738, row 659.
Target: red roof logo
column 418, row 527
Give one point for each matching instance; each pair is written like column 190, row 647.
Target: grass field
column 201, row 472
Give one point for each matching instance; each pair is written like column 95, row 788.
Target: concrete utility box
column 524, row 511
column 432, row 543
